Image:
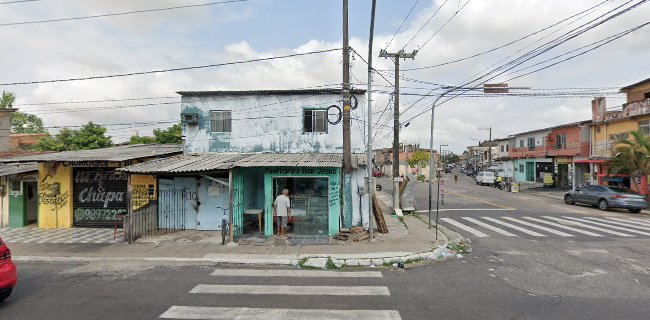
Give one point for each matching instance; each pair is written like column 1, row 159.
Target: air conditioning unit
column 191, row 119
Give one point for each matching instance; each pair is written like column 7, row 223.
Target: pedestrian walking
column 455, row 178
column 282, row 209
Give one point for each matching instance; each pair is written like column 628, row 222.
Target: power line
column 120, row 75
column 425, row 24
column 118, row 13
column 92, row 101
column 444, row 24
column 402, row 24
column 18, row 1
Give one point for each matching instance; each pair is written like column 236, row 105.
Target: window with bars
column 220, row 121
column 560, row 141
column 644, row 126
column 531, row 144
column 618, row 136
column 314, row 121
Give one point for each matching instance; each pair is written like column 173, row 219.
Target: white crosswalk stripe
column 642, row 223
column 512, row 226
column 609, row 226
column 532, row 225
column 626, row 223
column 294, row 273
column 292, row 290
column 465, row 227
column 487, row 226
column 582, row 225
column 317, row 292
column 557, row 225
column 219, row 313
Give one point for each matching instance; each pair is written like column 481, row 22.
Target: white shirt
column 282, row 204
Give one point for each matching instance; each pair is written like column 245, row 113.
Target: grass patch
column 303, row 264
column 459, row 247
column 330, row 265
column 401, row 219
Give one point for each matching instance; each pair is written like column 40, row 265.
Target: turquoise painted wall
column 334, row 176
column 520, row 176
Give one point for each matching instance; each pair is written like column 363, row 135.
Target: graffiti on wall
column 48, row 195
column 334, row 192
column 299, row 170
column 99, row 196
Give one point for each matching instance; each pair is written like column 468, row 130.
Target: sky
column 254, row 29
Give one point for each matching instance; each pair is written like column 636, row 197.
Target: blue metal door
column 212, row 195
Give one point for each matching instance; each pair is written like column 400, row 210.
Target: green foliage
column 90, row 136
column 421, row 178
column 171, row 135
column 330, row 264
column 451, row 158
column 7, row 100
column 26, row 123
column 418, row 159
column 631, row 156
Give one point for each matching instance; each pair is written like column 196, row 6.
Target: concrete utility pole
column 369, row 163
column 489, row 164
column 396, row 56
column 347, row 148
column 437, row 197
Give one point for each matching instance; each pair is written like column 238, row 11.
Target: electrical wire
column 401, row 24
column 18, row 1
column 114, row 14
column 425, row 24
column 120, row 75
column 444, row 24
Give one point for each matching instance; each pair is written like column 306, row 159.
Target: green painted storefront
column 314, row 190
column 23, row 202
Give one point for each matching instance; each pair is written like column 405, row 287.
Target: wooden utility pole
column 369, row 162
column 347, row 148
column 396, row 56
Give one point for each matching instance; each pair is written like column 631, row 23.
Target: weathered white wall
column 267, row 123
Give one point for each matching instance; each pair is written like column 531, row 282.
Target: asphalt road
column 505, row 277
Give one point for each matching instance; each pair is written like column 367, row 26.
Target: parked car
column 8, row 276
column 485, row 178
column 606, row 197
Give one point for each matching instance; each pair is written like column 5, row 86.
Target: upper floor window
column 506, row 148
column 560, row 141
column 220, row 121
column 644, row 126
column 503, row 148
column 618, row 136
column 521, row 143
column 531, row 144
column 314, row 121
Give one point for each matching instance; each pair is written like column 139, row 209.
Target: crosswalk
column 551, row 226
column 275, row 284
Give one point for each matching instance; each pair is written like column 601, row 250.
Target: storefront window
column 309, row 203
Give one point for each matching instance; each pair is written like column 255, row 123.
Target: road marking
column 487, row 226
column 468, row 209
column 582, row 225
column 589, row 233
column 512, row 226
column 292, row 290
column 553, row 231
column 464, row 227
column 644, row 222
column 609, row 226
column 479, row 200
column 222, row 313
column 295, row 273
column 631, row 224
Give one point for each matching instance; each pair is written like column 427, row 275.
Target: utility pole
column 396, row 56
column 489, row 163
column 437, row 197
column 369, row 162
column 347, row 148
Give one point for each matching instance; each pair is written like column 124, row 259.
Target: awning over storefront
column 589, row 161
column 112, row 154
column 9, row 169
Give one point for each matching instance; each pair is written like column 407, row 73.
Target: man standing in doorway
column 282, row 209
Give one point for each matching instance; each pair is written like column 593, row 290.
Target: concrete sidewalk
column 406, row 241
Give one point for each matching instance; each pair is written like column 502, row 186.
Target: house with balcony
column 501, row 161
column 242, row 148
column 528, row 152
column 611, row 125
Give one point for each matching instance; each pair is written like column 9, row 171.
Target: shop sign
column 563, row 160
column 93, row 164
column 299, row 171
column 99, row 195
column 143, row 190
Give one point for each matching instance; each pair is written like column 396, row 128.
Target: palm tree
column 7, row 100
column 632, row 156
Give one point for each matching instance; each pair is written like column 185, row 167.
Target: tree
column 419, row 159
column 451, row 158
column 171, row 135
column 631, row 156
column 7, row 100
column 90, row 136
column 26, row 123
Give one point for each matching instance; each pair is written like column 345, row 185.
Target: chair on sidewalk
column 119, row 218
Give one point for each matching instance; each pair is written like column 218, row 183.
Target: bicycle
column 224, row 225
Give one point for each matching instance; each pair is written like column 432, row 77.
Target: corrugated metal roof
column 222, row 161
column 186, row 163
column 9, row 169
column 267, row 92
column 292, row 160
column 119, row 153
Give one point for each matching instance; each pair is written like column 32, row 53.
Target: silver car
column 606, row 197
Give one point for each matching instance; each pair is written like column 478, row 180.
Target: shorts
column 282, row 221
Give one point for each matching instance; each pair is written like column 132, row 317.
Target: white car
column 485, row 178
